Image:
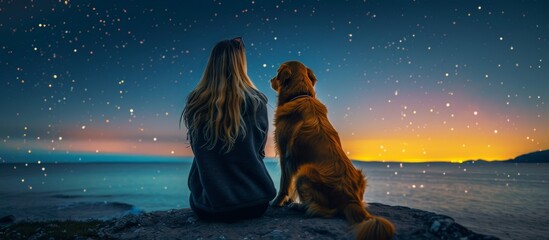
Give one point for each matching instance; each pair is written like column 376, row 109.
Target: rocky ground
column 278, row 223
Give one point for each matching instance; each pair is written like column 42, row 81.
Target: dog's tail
column 367, row 226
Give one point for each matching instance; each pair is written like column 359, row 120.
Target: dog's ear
column 311, row 75
column 284, row 73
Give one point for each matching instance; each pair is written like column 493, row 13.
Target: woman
column 226, row 118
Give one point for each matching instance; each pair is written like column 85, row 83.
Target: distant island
column 533, row 157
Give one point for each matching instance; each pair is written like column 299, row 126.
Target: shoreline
column 276, row 223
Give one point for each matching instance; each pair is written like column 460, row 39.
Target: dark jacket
column 238, row 179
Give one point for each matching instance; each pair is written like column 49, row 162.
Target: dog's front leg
column 282, row 196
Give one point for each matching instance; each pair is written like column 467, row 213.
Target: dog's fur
column 315, row 169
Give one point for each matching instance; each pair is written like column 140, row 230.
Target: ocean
column 506, row 200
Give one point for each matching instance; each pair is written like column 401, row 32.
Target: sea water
column 506, row 200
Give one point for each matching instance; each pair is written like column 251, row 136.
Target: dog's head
column 293, row 79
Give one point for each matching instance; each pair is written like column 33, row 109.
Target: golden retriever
column 314, row 167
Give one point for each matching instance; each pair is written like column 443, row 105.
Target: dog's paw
column 299, row 207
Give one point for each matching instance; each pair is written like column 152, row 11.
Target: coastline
column 276, row 223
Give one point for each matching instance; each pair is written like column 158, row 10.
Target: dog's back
column 315, row 142
column 311, row 137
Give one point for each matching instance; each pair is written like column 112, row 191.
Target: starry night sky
column 402, row 80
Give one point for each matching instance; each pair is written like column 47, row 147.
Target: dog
column 314, row 167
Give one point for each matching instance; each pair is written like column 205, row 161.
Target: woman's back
column 222, row 181
column 226, row 118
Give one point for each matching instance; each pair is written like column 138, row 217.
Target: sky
column 403, row 81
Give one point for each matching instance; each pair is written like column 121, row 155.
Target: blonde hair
column 215, row 108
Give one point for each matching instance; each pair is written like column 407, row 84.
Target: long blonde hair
column 215, row 108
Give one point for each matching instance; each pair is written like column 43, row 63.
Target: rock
column 275, row 224
column 191, row 220
column 284, row 223
column 7, row 219
column 435, row 226
column 276, row 235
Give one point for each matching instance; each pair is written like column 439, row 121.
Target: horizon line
column 177, row 158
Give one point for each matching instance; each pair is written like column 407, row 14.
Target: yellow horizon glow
column 447, row 150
